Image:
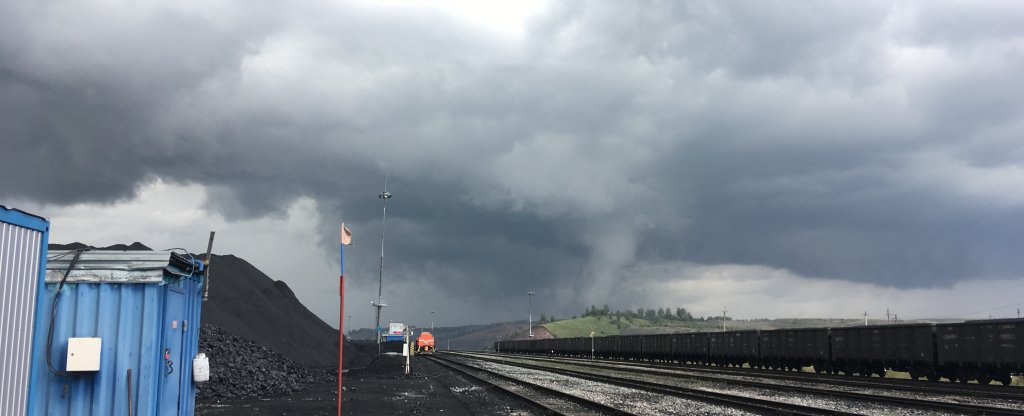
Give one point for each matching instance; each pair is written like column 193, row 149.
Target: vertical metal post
column 341, row 334
column 591, row 343
column 129, row 392
column 531, row 312
column 407, row 350
column 341, row 309
column 206, row 266
column 380, row 279
column 723, row 318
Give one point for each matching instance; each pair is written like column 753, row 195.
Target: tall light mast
column 379, row 303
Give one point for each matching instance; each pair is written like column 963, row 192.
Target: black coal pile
column 241, row 368
column 247, row 302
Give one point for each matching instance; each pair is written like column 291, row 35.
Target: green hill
column 613, row 325
column 621, row 325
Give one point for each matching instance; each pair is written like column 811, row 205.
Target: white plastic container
column 200, row 368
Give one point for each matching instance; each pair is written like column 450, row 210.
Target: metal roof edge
column 103, row 266
column 24, row 219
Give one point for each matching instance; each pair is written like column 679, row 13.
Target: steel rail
column 541, row 397
column 752, row 404
column 909, row 386
column 862, row 397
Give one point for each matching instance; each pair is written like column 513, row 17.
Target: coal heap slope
column 247, row 303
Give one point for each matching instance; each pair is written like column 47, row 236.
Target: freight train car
column 734, row 348
column 980, row 351
column 658, row 347
column 606, row 347
column 867, row 350
column 793, row 349
column 690, row 348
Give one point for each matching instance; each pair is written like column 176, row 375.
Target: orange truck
column 425, row 343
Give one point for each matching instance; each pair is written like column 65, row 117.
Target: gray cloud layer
column 865, row 141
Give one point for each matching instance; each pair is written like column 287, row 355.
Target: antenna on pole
column 385, row 196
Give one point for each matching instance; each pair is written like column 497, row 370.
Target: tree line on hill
column 654, row 315
column 678, row 314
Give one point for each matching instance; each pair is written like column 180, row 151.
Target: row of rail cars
column 982, row 351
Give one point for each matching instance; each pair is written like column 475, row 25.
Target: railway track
column 908, row 386
column 902, row 402
column 743, row 403
column 551, row 401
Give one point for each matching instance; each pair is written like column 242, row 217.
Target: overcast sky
column 778, row 159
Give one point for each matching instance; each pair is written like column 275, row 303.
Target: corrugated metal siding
column 21, row 251
column 108, row 266
column 133, row 323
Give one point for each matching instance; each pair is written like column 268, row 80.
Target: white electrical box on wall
column 84, row 354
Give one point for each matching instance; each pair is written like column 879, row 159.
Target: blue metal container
column 23, row 239
column 144, row 306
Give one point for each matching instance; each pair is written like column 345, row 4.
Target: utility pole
column 1018, row 313
column 887, row 320
column 591, row 343
column 385, row 196
column 350, row 325
column 432, row 321
column 531, row 312
column 865, row 318
column 723, row 318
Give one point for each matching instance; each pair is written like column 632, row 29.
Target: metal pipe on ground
column 129, row 392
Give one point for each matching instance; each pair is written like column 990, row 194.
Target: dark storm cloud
column 870, row 142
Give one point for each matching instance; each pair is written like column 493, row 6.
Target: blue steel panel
column 170, row 374
column 193, row 307
column 23, row 239
column 127, row 317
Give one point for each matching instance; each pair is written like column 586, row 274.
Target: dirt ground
column 382, row 388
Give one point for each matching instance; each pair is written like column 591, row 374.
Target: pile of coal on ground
column 247, row 302
column 241, row 368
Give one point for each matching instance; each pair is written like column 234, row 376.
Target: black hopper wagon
column 982, row 351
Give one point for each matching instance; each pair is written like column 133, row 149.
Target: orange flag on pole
column 346, row 235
